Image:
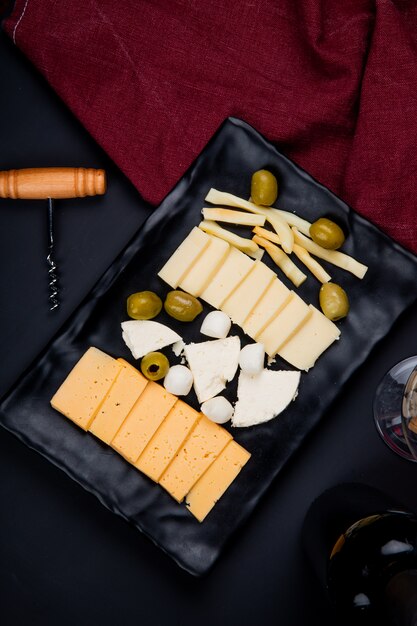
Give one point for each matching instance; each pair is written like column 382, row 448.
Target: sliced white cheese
column 236, row 266
column 184, row 257
column 267, row 308
column 245, row 297
column 313, row 338
column 263, row 396
column 213, row 364
column 288, row 321
column 143, row 336
column 205, row 267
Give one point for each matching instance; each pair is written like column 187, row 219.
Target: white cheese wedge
column 313, row 338
column 184, row 257
column 263, row 396
column 245, row 297
column 236, row 266
column 143, row 336
column 213, row 364
column 205, row 267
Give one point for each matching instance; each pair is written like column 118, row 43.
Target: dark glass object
column 363, row 547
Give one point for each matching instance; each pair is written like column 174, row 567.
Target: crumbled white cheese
column 263, row 396
column 270, row 360
column 213, row 364
column 143, row 336
column 178, row 347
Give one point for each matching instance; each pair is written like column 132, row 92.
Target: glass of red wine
column 395, row 408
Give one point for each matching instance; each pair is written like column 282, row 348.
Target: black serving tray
column 376, row 302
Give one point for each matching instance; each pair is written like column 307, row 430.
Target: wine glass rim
column 393, row 371
column 407, row 388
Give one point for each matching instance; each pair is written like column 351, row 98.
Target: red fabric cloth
column 332, row 83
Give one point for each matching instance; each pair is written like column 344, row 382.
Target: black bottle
column 363, row 547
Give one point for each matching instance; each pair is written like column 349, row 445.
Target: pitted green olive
column 143, row 305
column 333, row 301
column 154, row 365
column 264, row 188
column 327, row 234
column 182, row 306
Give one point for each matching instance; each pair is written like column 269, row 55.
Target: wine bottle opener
column 51, row 183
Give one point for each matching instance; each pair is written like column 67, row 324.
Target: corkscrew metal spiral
column 53, row 279
column 48, row 183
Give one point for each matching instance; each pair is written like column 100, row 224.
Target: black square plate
column 376, row 301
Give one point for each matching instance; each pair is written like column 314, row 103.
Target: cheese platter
column 310, row 370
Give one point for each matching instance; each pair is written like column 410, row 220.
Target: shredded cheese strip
column 335, row 257
column 294, row 220
column 277, row 222
column 282, row 260
column 314, row 266
column 233, row 217
column 301, row 253
column 245, row 245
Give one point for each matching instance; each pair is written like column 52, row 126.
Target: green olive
column 154, row 365
column 143, row 305
column 327, row 234
column 182, row 306
column 333, row 301
column 264, row 188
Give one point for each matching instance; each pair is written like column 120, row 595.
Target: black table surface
column 66, row 559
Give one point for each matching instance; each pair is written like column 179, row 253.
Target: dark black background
column 63, row 557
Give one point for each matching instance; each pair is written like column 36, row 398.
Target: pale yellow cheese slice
column 197, row 453
column 167, row 440
column 245, row 297
column 214, row 482
column 82, row 392
column 121, row 397
column 311, row 340
column 205, row 267
column 141, row 423
column 284, row 325
column 234, row 269
column 268, row 307
column 184, row 257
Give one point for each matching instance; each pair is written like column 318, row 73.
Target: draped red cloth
column 331, row 83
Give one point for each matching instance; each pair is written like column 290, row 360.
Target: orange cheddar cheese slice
column 86, row 386
column 197, row 453
column 167, row 440
column 140, row 425
column 214, row 482
column 118, row 402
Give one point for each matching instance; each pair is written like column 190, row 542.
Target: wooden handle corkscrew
column 52, row 182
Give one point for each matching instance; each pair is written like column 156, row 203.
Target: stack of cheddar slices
column 193, row 458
